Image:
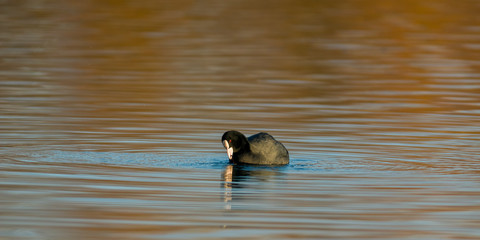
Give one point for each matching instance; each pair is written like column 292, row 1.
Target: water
column 111, row 115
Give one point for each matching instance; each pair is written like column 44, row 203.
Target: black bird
column 260, row 149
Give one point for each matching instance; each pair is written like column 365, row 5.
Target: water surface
column 111, row 115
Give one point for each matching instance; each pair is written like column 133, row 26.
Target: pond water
column 111, row 114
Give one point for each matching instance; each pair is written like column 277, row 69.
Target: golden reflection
column 152, row 76
column 128, row 73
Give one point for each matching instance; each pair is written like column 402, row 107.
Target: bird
column 258, row 149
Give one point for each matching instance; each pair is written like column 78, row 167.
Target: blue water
column 61, row 194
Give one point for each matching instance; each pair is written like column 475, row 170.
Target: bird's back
column 268, row 150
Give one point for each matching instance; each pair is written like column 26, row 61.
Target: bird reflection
column 245, row 177
column 227, row 178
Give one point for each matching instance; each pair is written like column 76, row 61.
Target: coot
column 261, row 149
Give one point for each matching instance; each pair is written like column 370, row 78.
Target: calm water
column 111, row 114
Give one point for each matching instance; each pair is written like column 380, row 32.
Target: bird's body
column 259, row 149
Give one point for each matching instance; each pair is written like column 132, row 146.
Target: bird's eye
column 230, row 140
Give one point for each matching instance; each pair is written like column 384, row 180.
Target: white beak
column 229, row 149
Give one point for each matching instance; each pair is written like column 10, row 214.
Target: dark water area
column 111, row 114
